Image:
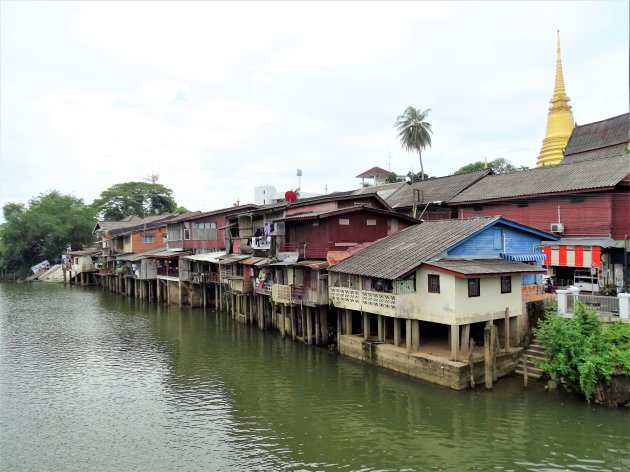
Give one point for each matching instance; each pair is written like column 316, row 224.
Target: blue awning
column 528, row 257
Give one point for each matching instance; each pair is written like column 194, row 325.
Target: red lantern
column 290, row 196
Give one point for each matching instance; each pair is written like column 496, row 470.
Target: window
column 498, row 239
column 474, row 289
column 147, row 238
column 506, row 284
column 186, row 231
column 174, row 232
column 127, row 239
column 344, row 221
column 371, row 222
column 478, row 210
column 522, row 204
column 434, row 283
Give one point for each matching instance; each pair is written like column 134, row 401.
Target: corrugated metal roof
column 431, row 190
column 598, row 135
column 232, row 258
column 484, row 266
column 252, row 260
column 140, row 255
column 313, row 264
column 206, row 256
column 601, row 242
column 402, row 252
column 586, row 175
column 604, row 153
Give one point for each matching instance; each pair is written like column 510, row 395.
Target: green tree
column 414, row 132
column 499, row 166
column 43, row 228
column 392, row 178
column 134, row 198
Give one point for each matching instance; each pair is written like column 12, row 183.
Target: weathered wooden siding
column 582, row 215
column 138, row 244
column 621, row 213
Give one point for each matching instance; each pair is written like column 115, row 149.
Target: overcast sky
column 218, row 98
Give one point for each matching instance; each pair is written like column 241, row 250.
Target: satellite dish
column 290, row 196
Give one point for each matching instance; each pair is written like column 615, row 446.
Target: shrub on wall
column 584, row 351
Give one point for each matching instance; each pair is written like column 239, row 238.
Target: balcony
column 240, row 284
column 382, row 303
column 263, row 288
column 307, row 250
column 299, row 294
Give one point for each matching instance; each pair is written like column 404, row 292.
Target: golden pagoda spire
column 560, row 122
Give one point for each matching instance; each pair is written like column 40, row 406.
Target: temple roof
column 601, row 139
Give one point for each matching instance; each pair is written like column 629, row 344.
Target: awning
column 206, row 256
column 526, row 257
column 232, row 258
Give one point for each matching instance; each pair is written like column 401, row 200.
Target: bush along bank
column 587, row 355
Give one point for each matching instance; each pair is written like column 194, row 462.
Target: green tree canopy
column 43, row 228
column 134, row 198
column 499, row 166
column 414, row 132
column 393, row 178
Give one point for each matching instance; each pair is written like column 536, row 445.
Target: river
column 94, row 381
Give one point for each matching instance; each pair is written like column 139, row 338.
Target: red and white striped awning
column 572, row 256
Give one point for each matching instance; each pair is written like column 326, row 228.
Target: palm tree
column 414, row 133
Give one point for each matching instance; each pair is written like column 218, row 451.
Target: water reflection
column 114, row 383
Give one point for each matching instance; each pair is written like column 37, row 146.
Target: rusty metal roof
column 402, row 252
column 471, row 267
column 570, row 177
column 611, row 132
column 374, row 171
column 438, row 189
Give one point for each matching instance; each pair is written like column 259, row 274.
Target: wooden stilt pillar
column 293, row 322
column 323, row 317
column 309, row 325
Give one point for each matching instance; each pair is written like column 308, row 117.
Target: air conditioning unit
column 557, row 228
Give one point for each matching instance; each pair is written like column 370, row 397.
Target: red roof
column 374, row 171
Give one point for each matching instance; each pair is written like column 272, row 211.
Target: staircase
column 534, row 354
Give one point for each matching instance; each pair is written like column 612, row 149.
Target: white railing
column 600, row 303
column 365, row 298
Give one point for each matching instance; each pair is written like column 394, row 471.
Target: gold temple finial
column 485, row 162
column 560, row 122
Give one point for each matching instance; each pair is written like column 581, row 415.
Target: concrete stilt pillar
column 454, row 342
column 323, row 317
column 408, row 335
column 415, row 335
column 465, row 340
column 381, row 327
column 348, row 322
column 339, row 333
column 366, row 325
column 396, row 332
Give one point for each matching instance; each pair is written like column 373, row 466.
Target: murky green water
column 95, row 381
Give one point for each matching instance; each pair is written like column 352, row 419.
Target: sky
column 218, row 98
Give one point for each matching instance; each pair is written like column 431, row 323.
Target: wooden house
column 585, row 202
column 427, row 290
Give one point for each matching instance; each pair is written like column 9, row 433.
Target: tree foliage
column 584, row 351
column 43, row 228
column 414, row 131
column 134, row 198
column 393, row 178
column 499, row 166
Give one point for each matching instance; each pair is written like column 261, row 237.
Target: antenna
column 299, row 176
column 153, row 178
